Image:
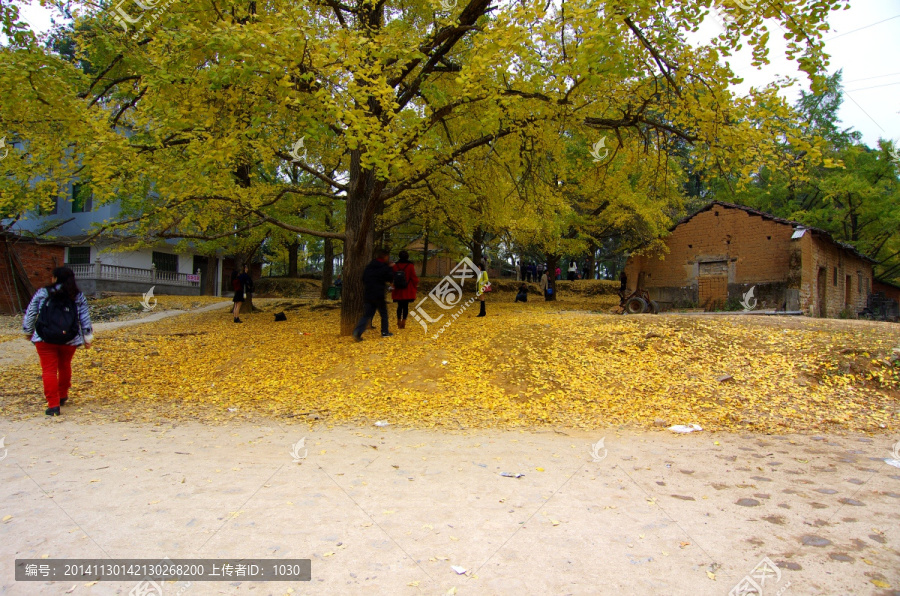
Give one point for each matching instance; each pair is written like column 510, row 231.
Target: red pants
column 56, row 365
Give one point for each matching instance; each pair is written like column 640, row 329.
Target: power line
column 850, row 97
column 861, row 28
column 876, row 77
column 876, row 87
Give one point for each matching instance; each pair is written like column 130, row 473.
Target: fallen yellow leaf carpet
column 524, row 365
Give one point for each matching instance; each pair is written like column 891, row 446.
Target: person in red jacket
column 404, row 294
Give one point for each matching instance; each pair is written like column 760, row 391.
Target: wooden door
column 848, row 292
column 822, row 283
column 712, row 284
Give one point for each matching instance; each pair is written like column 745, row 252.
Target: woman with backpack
column 58, row 321
column 405, row 285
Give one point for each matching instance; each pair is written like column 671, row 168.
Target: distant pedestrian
column 532, row 272
column 406, row 284
column 522, row 294
column 58, row 321
column 520, row 274
column 558, row 274
column 483, row 285
column 243, row 287
column 375, row 275
column 545, row 285
column 573, row 270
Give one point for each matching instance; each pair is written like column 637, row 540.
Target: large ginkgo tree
column 211, row 117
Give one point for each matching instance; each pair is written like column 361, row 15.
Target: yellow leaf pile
column 523, row 365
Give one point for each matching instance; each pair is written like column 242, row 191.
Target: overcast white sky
column 864, row 42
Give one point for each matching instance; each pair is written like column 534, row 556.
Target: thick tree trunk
column 552, row 264
column 477, row 246
column 212, row 280
column 425, row 253
column 327, row 267
column 591, row 261
column 358, row 242
column 293, row 247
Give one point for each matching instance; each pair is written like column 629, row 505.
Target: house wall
column 81, row 222
column 38, row 260
column 819, row 252
column 438, row 266
column 756, row 251
column 892, row 292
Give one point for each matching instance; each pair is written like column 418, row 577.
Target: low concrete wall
column 673, row 297
column 768, row 296
column 93, row 286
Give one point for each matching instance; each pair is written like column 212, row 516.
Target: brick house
column 719, row 253
column 25, row 266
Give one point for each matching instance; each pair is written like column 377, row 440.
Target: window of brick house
column 859, row 284
column 79, row 255
column 165, row 262
column 52, row 210
column 835, row 276
column 82, row 198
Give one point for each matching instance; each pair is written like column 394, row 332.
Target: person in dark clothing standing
column 405, row 287
column 375, row 275
column 243, row 287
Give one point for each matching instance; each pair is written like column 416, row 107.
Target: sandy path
column 20, row 351
column 388, row 511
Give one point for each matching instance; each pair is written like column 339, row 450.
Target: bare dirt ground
column 389, row 511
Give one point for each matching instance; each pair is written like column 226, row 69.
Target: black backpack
column 400, row 281
column 57, row 321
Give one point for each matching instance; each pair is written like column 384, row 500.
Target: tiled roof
column 787, row 222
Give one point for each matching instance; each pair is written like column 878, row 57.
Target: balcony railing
column 118, row 273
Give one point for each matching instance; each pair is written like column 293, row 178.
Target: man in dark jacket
column 375, row 275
